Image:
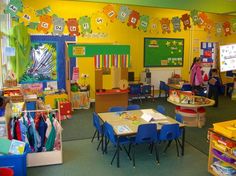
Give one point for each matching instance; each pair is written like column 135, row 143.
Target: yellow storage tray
column 227, row 128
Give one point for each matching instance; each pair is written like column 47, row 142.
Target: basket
column 10, row 83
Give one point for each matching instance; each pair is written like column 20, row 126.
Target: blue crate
column 16, row 162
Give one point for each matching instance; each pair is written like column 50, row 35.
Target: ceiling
column 212, row 6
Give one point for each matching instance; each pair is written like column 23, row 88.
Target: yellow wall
column 120, row 33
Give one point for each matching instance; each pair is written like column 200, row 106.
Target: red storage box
column 65, row 108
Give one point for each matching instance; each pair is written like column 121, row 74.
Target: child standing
column 214, row 86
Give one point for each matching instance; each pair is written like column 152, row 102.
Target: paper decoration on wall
column 186, row 21
column 133, row 19
column 45, row 23
column 153, row 25
column 110, row 12
column 99, row 21
column 202, row 18
column 73, row 28
column 208, row 25
column 227, row 28
column 194, row 16
column 144, row 21
column 58, row 25
column 176, row 24
column 43, row 11
column 13, row 7
column 233, row 24
column 124, row 13
column 219, row 29
column 85, row 24
column 165, row 25
column 27, row 15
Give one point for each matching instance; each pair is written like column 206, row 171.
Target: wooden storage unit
column 221, row 150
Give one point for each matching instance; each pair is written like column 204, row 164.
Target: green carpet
column 80, row 126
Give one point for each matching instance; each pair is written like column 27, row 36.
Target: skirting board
column 44, row 158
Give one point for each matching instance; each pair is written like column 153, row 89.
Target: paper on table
column 152, row 116
column 147, row 117
column 123, row 129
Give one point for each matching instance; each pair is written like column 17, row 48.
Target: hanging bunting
column 27, row 16
column 176, row 24
column 33, row 25
column 202, row 18
column 133, row 19
column 13, row 7
column 144, row 21
column 153, row 25
column 123, row 13
column 58, row 25
column 233, row 24
column 45, row 23
column 219, row 29
column 85, row 24
column 227, row 28
column 73, row 28
column 110, row 12
column 43, row 11
column 195, row 17
column 208, row 25
column 165, row 25
column 186, row 21
column 98, row 21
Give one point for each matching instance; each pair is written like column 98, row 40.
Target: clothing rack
column 47, row 157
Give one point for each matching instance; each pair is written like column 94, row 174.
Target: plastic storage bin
column 2, row 112
column 15, row 162
column 227, row 128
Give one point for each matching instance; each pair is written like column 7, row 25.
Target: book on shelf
column 17, row 147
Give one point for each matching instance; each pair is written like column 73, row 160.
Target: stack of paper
column 149, row 115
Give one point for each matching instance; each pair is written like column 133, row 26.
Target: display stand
column 48, row 157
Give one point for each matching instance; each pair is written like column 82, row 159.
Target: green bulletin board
column 163, row 52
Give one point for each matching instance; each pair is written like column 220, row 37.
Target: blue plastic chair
column 170, row 132
column 161, row 109
column 186, row 87
column 110, row 135
column 179, row 118
column 117, row 109
column 146, row 134
column 133, row 107
column 165, row 87
column 98, row 129
column 135, row 91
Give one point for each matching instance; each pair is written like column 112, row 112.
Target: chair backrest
column 146, row 89
column 134, row 89
column 163, row 86
column 117, row 109
column 169, row 132
column 147, row 133
column 96, row 122
column 186, row 87
column 109, row 132
column 179, row 118
column 133, row 107
column 161, row 109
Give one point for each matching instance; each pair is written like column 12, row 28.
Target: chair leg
column 127, row 152
column 113, row 157
column 94, row 135
column 99, row 144
column 176, row 143
column 151, row 148
column 134, row 155
column 157, row 154
column 168, row 145
column 179, row 143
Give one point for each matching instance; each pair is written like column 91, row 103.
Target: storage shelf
column 230, row 164
column 225, row 152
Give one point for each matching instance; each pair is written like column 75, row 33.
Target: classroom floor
column 82, row 158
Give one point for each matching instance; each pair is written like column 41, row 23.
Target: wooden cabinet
column 222, row 154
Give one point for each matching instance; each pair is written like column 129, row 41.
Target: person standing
column 196, row 79
column 214, row 86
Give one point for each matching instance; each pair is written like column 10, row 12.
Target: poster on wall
column 227, row 57
column 208, row 53
column 43, row 66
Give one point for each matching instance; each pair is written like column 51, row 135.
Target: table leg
column 118, row 151
column 183, row 141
